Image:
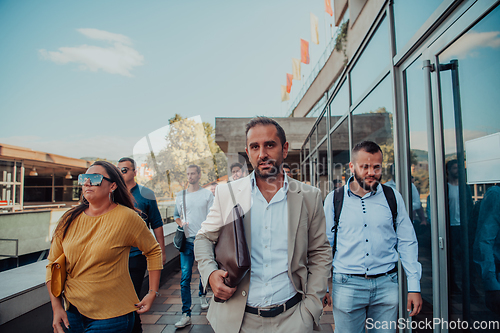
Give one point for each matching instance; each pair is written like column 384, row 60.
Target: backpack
column 338, row 200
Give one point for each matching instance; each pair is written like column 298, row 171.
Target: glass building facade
column 424, row 85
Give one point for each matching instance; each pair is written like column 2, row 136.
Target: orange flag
column 304, row 51
column 289, row 78
column 328, row 7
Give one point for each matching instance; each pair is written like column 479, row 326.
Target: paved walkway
column 166, row 310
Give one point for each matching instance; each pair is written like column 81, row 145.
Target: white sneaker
column 204, row 303
column 185, row 320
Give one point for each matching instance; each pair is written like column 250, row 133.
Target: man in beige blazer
column 290, row 261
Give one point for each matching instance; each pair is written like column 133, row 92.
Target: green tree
column 186, row 142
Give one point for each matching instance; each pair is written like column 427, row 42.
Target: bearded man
column 284, row 226
column 368, row 239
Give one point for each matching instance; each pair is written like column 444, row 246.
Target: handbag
column 231, row 251
column 58, row 278
column 180, row 237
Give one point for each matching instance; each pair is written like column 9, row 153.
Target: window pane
column 375, row 58
column 322, row 127
column 372, row 120
column 322, row 169
column 340, row 155
column 340, row 104
column 409, row 17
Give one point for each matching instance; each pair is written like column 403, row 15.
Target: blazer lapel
column 294, row 203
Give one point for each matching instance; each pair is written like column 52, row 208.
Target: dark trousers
column 137, row 266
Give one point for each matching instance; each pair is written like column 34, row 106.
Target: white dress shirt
column 269, row 281
column 366, row 243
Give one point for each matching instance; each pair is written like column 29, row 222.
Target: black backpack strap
column 338, row 200
column 393, row 205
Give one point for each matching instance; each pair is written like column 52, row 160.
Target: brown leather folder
column 231, row 251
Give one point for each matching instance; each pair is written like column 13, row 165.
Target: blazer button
column 243, row 293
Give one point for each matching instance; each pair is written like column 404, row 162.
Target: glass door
column 466, row 117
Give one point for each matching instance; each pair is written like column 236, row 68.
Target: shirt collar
column 349, row 192
column 254, row 183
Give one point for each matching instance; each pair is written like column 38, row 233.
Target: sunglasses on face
column 95, row 179
column 124, row 170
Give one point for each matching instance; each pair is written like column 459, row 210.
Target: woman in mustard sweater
column 96, row 237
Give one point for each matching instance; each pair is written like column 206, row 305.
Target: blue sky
column 90, row 78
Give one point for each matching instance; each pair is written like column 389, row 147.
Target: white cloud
column 120, row 58
column 469, row 43
column 105, row 35
column 110, row 147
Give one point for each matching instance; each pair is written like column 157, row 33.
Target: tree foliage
column 187, row 142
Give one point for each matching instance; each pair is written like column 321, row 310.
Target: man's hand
column 327, row 300
column 216, row 281
column 414, row 303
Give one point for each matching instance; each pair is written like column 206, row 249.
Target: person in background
column 145, row 201
column 287, row 170
column 96, row 237
column 236, row 170
column 189, row 216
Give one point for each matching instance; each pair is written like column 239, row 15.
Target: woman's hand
column 60, row 318
column 144, row 305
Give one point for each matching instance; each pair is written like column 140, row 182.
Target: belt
column 276, row 310
column 366, row 276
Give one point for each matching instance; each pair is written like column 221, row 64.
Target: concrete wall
column 32, row 229
column 230, row 132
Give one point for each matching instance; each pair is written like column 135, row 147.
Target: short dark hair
column 236, row 164
column 128, row 159
column 368, row 146
column 451, row 163
column 261, row 120
column 198, row 169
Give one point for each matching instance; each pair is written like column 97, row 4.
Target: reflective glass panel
column 340, row 104
column 409, row 16
column 374, row 59
column 322, row 169
column 340, row 155
column 373, row 120
column 469, row 79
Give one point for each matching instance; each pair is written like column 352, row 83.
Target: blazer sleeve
column 319, row 255
column 207, row 237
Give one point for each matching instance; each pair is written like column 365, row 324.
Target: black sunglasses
column 95, row 179
column 124, row 170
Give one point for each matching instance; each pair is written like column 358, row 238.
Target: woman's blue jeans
column 187, row 260
column 78, row 323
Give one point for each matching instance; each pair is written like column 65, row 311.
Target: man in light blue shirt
column 365, row 281
column 191, row 208
column 284, row 226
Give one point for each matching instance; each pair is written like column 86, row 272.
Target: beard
column 361, row 182
column 274, row 170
